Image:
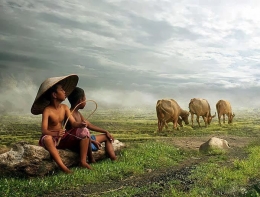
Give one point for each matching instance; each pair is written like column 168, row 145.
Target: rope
column 64, row 126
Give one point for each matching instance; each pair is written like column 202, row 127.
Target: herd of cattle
column 168, row 110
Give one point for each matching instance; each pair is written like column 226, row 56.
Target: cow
column 168, row 110
column 200, row 107
column 224, row 108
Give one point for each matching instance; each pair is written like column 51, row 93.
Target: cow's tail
column 191, row 110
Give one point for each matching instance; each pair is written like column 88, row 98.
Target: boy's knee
column 48, row 138
column 86, row 139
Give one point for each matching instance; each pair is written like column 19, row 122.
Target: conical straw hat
column 68, row 84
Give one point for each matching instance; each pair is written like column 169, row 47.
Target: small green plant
column 215, row 151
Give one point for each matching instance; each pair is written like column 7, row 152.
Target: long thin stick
column 64, row 126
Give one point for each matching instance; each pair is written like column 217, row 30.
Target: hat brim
column 68, row 84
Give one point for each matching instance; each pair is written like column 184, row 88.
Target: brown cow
column 168, row 110
column 200, row 107
column 224, row 108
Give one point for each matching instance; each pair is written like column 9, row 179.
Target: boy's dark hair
column 49, row 92
column 75, row 96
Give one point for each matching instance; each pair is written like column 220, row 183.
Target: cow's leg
column 229, row 117
column 173, row 126
column 223, row 118
column 175, row 121
column 205, row 120
column 163, row 124
column 198, row 120
column 166, row 125
column 219, row 117
column 192, row 116
column 159, row 126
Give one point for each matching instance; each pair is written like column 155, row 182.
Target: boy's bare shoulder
column 64, row 106
column 49, row 109
column 46, row 110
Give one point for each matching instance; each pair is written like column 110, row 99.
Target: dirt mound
column 193, row 143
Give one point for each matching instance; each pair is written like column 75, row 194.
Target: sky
column 129, row 54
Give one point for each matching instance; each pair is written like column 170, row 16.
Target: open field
column 153, row 164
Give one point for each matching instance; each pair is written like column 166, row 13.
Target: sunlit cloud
column 79, row 66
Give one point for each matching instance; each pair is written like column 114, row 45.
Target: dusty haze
column 17, row 95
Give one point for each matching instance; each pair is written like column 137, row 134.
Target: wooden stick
column 64, row 126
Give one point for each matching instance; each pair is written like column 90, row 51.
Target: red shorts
column 68, row 141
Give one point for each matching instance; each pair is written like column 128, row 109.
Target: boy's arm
column 97, row 129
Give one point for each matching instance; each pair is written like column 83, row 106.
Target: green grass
column 146, row 150
column 133, row 161
column 131, row 124
column 213, row 179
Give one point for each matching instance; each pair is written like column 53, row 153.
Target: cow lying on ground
column 168, row 110
column 200, row 107
column 224, row 108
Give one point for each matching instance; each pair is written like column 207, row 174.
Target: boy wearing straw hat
column 78, row 100
column 51, row 94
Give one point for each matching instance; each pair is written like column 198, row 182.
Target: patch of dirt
column 4, row 149
column 193, row 143
column 161, row 178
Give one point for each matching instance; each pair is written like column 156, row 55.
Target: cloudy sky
column 132, row 53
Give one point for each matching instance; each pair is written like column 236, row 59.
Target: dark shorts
column 67, row 141
column 93, row 147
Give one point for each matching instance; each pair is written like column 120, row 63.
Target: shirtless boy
column 77, row 96
column 51, row 94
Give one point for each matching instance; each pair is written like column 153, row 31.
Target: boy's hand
column 96, row 143
column 83, row 124
column 60, row 133
column 110, row 137
column 86, row 124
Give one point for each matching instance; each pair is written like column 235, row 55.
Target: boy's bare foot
column 113, row 158
column 92, row 160
column 67, row 171
column 85, row 165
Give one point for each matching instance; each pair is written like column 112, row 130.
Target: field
column 152, row 164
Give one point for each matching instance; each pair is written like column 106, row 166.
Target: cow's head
column 180, row 122
column 230, row 120
column 185, row 117
column 210, row 118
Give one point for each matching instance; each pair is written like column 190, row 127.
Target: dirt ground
column 161, row 177
column 194, row 143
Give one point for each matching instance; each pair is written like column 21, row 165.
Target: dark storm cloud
column 131, row 52
column 159, row 31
